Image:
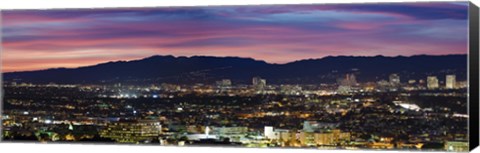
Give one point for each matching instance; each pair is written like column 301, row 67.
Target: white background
column 82, row 148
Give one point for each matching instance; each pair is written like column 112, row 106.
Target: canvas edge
column 1, row 77
column 473, row 110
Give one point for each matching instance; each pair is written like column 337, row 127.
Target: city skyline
column 345, row 76
column 273, row 33
column 209, row 69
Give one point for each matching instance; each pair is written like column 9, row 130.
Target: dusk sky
column 40, row 39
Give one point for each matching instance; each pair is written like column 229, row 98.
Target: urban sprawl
column 425, row 114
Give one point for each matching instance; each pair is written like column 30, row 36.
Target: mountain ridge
column 207, row 69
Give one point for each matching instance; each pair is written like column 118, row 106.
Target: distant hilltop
column 208, row 69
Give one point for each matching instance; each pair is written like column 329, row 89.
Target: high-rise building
column 346, row 83
column 450, row 82
column 352, row 79
column 263, row 82
column 348, row 80
column 259, row 82
column 224, row 83
column 432, row 82
column 394, row 79
column 256, row 80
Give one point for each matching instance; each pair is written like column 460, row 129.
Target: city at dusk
column 339, row 76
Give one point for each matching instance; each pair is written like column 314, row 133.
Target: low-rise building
column 132, row 131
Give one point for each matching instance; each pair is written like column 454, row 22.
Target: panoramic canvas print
column 322, row 76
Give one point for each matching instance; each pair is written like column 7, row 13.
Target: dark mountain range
column 206, row 69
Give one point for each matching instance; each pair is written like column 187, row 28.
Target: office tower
column 256, row 80
column 394, row 79
column 348, row 80
column 351, row 79
column 432, row 82
column 346, row 83
column 450, row 82
column 224, row 83
column 259, row 82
